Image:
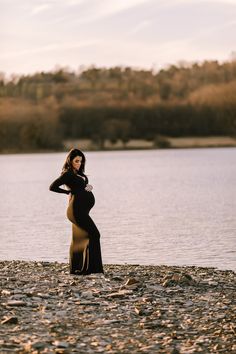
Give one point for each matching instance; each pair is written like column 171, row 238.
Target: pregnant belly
column 88, row 200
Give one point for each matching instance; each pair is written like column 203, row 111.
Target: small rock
column 15, row 303
column 38, row 345
column 213, row 283
column 178, row 279
column 43, row 296
column 139, row 311
column 131, row 281
column 120, row 293
column 6, row 292
column 108, row 322
column 188, row 303
column 59, row 344
column 87, row 294
column 10, row 320
column 17, row 296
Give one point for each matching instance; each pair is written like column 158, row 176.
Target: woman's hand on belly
column 88, row 187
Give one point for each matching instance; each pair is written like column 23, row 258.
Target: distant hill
column 40, row 111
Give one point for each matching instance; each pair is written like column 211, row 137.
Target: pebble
column 38, row 345
column 61, row 344
column 15, row 303
column 128, row 309
column 10, row 320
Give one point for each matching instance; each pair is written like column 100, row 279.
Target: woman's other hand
column 89, row 187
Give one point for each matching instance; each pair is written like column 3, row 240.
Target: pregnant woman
column 85, row 250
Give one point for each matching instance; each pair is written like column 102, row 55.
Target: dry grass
column 214, row 141
column 188, row 142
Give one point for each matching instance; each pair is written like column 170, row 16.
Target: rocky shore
column 128, row 309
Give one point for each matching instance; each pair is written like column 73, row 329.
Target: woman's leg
column 95, row 256
column 79, row 251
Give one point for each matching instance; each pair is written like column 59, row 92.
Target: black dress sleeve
column 63, row 179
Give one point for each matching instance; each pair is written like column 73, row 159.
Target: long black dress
column 85, row 250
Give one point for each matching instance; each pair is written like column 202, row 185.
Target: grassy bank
column 137, row 144
column 161, row 142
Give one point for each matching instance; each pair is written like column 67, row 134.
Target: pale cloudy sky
column 37, row 35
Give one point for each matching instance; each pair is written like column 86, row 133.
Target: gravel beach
column 128, row 309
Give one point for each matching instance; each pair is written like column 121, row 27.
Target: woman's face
column 76, row 162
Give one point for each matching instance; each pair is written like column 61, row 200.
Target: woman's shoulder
column 67, row 174
column 69, row 171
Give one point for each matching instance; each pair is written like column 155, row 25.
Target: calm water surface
column 174, row 207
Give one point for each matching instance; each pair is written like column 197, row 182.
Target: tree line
column 40, row 111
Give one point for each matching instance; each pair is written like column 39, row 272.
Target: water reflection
column 152, row 207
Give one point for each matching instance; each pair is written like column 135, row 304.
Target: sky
column 41, row 35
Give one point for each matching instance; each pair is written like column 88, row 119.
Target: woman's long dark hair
column 68, row 163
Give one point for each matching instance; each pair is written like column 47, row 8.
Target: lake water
column 173, row 207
